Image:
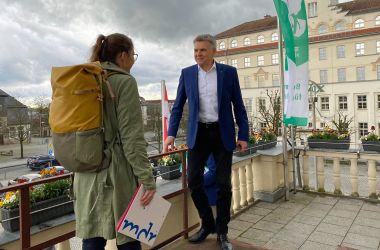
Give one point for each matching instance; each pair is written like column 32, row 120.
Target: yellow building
column 344, row 59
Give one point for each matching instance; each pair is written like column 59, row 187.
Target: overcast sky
column 37, row 34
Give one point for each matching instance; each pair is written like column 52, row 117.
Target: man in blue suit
column 212, row 91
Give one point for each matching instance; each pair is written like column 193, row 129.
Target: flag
column 164, row 111
column 293, row 23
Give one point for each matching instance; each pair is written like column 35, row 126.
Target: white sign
column 143, row 223
column 50, row 149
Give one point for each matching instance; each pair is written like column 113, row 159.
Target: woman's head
column 116, row 48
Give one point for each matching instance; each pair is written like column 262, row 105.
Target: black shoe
column 200, row 235
column 224, row 242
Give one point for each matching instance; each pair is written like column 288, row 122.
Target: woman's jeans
column 98, row 243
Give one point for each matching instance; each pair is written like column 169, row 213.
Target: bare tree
column 271, row 114
column 41, row 112
column 22, row 131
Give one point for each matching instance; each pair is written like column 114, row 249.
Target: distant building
column 13, row 116
column 344, row 58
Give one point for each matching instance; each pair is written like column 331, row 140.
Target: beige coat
column 101, row 198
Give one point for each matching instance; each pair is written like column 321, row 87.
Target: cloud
column 40, row 34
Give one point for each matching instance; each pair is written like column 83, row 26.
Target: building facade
column 344, row 54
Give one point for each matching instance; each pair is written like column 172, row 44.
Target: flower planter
column 371, row 146
column 329, row 144
column 50, row 211
column 263, row 145
column 170, row 172
column 252, row 148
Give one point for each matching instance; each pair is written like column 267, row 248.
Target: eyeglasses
column 135, row 56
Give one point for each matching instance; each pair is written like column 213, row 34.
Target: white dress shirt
column 208, row 95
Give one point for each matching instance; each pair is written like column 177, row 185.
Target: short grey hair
column 206, row 38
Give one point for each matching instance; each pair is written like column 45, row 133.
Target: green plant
column 342, row 123
column 267, row 135
column 371, row 136
column 169, row 160
column 328, row 134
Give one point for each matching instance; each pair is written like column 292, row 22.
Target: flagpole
column 284, row 138
column 162, row 112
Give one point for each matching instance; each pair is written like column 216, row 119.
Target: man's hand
column 147, row 197
column 242, row 145
column 168, row 142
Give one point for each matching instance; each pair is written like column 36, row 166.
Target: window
column 222, row 45
column 234, row 63
column 322, row 124
column 263, row 125
column 312, row 9
column 359, row 49
column 378, row 47
column 275, row 59
column 340, row 26
column 360, row 73
column 378, row 72
column 247, row 81
column 322, row 54
column 260, row 39
column 310, row 104
column 323, row 76
column 262, row 104
column 222, row 62
column 325, row 103
column 322, row 28
column 260, row 60
column 261, row 80
column 247, row 62
column 359, row 23
column 274, row 37
column 342, row 101
column 362, row 102
column 377, row 20
column 234, row 43
column 340, row 51
column 363, row 128
column 275, row 80
column 310, row 125
column 378, row 101
column 248, row 104
column 247, row 41
column 341, row 75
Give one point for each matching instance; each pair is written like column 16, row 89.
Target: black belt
column 208, row 125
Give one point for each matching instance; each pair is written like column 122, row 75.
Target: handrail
column 25, row 211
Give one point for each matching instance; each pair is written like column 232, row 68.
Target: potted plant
column 266, row 139
column 328, row 138
column 251, row 146
column 371, row 141
column 169, row 166
column 48, row 201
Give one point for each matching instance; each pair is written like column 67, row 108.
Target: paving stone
column 328, row 200
column 306, row 219
column 278, row 218
column 287, row 235
column 325, row 238
column 233, row 233
column 365, row 230
column 293, row 206
column 350, row 202
column 311, row 245
column 300, row 227
column 371, row 207
column 302, row 198
column 250, row 218
column 268, row 226
column 348, row 207
column 369, row 214
column 342, row 213
column 267, row 205
column 332, row 229
column 281, row 244
column 340, row 221
column 239, row 225
column 251, row 241
column 361, row 240
column 257, row 234
column 289, row 212
column 320, row 206
column 352, row 246
column 259, row 211
column 314, row 212
column 367, row 222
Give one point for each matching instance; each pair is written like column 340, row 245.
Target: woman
column 102, row 197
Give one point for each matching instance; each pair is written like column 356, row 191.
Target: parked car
column 38, row 162
column 24, row 178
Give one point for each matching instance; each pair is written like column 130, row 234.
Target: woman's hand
column 147, row 197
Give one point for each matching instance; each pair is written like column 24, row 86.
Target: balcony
column 335, row 205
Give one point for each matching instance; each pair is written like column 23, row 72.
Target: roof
column 359, row 6
column 267, row 23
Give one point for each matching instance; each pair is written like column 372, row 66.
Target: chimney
column 267, row 16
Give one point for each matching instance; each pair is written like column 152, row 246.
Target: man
column 211, row 89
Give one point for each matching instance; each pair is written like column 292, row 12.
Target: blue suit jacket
column 229, row 94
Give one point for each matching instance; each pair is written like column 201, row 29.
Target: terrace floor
column 306, row 221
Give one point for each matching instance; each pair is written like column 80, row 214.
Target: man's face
column 204, row 53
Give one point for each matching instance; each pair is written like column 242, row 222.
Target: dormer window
column 274, row 37
column 222, row 45
column 260, row 39
column 247, row 41
column 234, row 43
column 359, row 24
